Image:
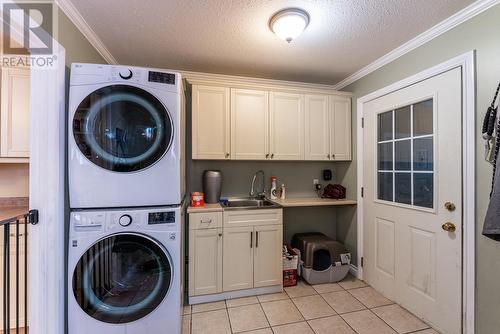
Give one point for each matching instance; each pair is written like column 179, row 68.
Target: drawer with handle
column 205, row 220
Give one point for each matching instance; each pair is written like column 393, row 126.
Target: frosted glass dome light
column 289, row 23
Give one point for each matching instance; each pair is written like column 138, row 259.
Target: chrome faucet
column 261, row 194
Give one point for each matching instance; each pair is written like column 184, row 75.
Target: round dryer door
column 122, row 278
column 122, row 128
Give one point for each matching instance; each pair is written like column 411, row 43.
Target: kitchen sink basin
column 248, row 203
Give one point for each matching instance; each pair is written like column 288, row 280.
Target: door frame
column 466, row 62
column 46, row 241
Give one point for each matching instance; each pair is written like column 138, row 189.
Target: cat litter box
column 323, row 260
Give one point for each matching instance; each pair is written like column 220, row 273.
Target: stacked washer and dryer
column 126, row 188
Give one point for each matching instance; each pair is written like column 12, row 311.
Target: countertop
column 8, row 213
column 314, row 201
column 12, row 208
column 286, row 203
column 206, row 208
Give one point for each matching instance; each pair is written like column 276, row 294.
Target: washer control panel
column 125, row 220
column 161, row 217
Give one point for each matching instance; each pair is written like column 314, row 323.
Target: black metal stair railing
column 15, row 275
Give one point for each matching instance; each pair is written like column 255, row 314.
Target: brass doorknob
column 450, row 227
column 449, row 206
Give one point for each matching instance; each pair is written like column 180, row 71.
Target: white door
column 340, row 127
column 317, row 128
column 205, row 276
column 211, row 122
column 268, row 262
column 237, row 258
column 249, row 124
column 15, row 112
column 412, row 168
column 286, row 126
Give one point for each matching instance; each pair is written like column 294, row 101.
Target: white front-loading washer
column 125, row 271
column 125, row 128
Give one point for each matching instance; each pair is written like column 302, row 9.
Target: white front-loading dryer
column 125, row 272
column 124, row 137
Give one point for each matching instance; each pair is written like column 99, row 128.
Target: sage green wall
column 78, row 48
column 481, row 34
column 297, row 177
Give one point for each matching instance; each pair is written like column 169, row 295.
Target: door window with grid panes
column 405, row 155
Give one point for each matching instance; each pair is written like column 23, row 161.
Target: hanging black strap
column 495, row 97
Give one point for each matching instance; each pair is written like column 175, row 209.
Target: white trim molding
column 234, row 81
column 467, row 63
column 451, row 22
column 74, row 15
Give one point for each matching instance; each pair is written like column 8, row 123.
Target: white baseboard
column 353, row 270
column 234, row 294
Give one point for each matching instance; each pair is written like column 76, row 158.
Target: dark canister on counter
column 212, row 185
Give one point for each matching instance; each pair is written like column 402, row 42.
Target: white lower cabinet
column 267, row 267
column 234, row 250
column 252, row 249
column 238, row 258
column 205, row 253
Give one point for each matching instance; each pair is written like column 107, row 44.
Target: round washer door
column 122, row 128
column 122, row 278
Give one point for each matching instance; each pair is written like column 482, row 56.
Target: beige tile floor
column 347, row 307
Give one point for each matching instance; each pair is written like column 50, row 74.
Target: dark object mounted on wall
column 327, row 174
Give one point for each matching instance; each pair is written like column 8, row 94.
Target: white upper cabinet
column 249, row 124
column 15, row 110
column 238, row 122
column 211, row 122
column 317, row 127
column 286, row 126
column 340, row 133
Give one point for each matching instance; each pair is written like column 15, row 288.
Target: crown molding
column 74, row 15
column 451, row 22
column 233, row 81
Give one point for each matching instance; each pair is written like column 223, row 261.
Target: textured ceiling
column 232, row 36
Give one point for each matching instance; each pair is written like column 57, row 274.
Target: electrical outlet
column 315, row 182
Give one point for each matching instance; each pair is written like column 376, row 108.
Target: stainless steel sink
column 248, row 203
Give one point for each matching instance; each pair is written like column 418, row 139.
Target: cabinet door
column 286, row 126
column 205, row 261
column 317, row 128
column 15, row 109
column 249, row 124
column 238, row 258
column 268, row 263
column 211, row 123
column 340, row 120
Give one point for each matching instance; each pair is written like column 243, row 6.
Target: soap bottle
column 274, row 189
column 283, row 195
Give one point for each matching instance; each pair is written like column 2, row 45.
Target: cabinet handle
column 251, row 239
column 333, row 156
column 267, row 156
column 220, row 234
column 328, row 156
column 13, row 235
column 272, row 156
column 205, row 221
column 227, row 155
column 256, row 239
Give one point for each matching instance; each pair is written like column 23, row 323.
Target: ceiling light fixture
column 289, row 23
